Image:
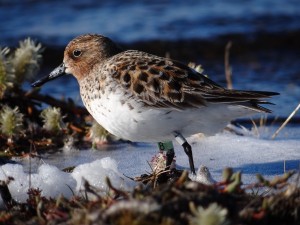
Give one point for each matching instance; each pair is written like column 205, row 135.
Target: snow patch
column 54, row 182
column 96, row 172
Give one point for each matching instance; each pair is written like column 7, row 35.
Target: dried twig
column 118, row 192
column 286, row 121
column 228, row 72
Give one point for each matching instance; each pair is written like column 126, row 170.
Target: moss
column 11, row 121
column 26, row 60
column 98, row 134
column 52, row 119
column 6, row 71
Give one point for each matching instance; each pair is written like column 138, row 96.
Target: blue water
column 54, row 23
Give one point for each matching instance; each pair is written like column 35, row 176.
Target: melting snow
column 249, row 154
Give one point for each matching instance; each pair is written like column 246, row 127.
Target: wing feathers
column 163, row 83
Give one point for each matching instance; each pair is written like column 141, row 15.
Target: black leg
column 188, row 150
column 170, row 156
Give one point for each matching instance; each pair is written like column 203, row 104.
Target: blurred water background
column 265, row 36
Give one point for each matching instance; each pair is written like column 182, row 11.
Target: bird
column 204, row 176
column 142, row 97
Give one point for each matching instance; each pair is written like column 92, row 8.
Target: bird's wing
column 164, row 83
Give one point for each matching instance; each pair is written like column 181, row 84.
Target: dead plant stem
column 286, row 121
column 228, row 72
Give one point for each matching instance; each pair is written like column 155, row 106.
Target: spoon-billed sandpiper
column 146, row 98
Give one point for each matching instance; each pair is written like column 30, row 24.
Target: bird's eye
column 77, row 53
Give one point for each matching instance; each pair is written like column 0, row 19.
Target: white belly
column 129, row 120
